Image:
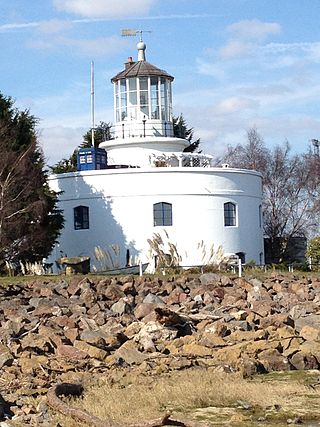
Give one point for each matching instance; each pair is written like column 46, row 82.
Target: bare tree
column 290, row 190
column 252, row 155
column 290, row 207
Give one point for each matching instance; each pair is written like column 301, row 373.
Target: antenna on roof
column 129, row 32
column 92, row 105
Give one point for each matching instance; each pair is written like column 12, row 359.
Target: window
column 229, row 214
column 154, row 98
column 81, row 217
column 162, row 214
column 260, row 216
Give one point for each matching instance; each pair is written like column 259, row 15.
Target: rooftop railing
column 186, row 160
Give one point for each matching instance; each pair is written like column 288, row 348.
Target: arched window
column 229, row 214
column 81, row 217
column 162, row 214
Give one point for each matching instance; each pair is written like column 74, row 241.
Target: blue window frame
column 81, row 217
column 230, row 219
column 162, row 214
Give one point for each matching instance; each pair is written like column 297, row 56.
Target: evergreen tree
column 181, row 130
column 30, row 221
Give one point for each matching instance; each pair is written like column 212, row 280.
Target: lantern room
column 142, row 99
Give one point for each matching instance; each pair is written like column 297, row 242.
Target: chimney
column 129, row 62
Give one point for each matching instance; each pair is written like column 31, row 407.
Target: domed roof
column 140, row 69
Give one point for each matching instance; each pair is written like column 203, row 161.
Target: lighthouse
column 154, row 199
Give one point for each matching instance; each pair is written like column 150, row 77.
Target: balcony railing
column 187, row 160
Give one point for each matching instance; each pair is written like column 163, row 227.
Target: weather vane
column 129, row 32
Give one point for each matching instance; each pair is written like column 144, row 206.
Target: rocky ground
column 51, row 330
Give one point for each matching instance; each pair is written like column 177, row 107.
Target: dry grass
column 132, row 397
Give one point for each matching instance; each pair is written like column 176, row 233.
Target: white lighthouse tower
column 153, row 194
column 142, row 114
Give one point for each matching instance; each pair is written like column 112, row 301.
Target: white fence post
column 239, row 268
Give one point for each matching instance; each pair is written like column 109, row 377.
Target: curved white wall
column 121, row 211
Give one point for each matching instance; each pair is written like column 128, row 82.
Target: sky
column 237, row 64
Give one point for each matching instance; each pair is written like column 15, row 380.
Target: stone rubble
column 51, row 330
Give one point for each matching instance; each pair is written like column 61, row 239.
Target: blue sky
column 237, row 64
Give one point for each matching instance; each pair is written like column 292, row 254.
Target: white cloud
column 209, row 69
column 18, row 26
column 253, row 29
column 235, row 48
column 235, row 104
column 289, row 53
column 246, row 37
column 104, row 8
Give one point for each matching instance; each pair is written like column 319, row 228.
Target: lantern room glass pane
column 132, row 82
column 123, row 85
column 154, row 87
column 144, row 97
column 133, row 98
column 163, row 99
column 143, row 83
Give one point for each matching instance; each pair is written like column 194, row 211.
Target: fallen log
column 71, row 389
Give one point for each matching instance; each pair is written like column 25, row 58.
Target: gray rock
column 311, row 320
column 153, row 299
column 209, row 278
column 121, row 307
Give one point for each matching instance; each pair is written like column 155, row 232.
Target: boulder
column 209, row 279
column 310, row 333
column 153, row 299
column 90, row 350
column 70, row 352
column 272, row 360
column 304, row 361
column 129, row 353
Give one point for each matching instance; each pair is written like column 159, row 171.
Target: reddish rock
column 55, row 338
column 113, row 292
column 88, row 296
column 143, row 309
column 46, row 292
column 71, row 334
column 276, row 320
column 64, row 321
column 272, row 360
column 244, row 284
column 91, row 350
column 304, row 361
column 71, row 353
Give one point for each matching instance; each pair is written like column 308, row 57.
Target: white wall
column 121, row 211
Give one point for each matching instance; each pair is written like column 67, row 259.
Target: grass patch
column 201, row 394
